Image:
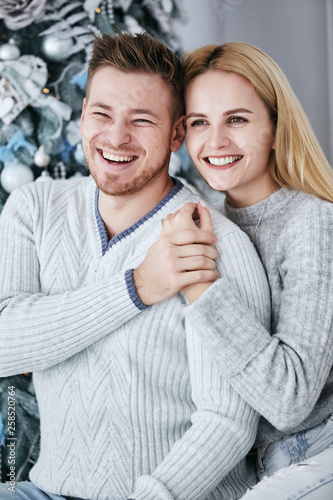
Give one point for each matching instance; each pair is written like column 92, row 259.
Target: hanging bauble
column 45, row 176
column 15, row 175
column 41, row 159
column 79, row 155
column 9, row 51
column 56, row 48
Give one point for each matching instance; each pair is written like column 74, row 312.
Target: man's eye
column 142, row 120
column 99, row 113
column 237, row 119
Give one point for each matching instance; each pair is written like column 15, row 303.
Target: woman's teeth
column 221, row 162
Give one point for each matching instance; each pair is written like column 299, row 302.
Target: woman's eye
column 237, row 119
column 197, row 123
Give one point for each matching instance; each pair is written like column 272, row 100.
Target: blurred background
column 44, row 49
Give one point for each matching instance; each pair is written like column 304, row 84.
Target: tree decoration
column 9, row 50
column 17, row 14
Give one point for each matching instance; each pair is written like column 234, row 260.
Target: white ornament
column 56, row 48
column 79, row 155
column 41, row 159
column 45, row 176
column 9, row 51
column 175, row 164
column 15, row 175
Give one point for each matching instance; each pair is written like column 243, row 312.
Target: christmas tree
column 44, row 50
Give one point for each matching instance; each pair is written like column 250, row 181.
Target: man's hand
column 182, row 256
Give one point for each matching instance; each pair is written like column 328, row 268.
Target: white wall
column 297, row 34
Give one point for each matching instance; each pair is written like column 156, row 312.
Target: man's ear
column 82, row 112
column 178, row 134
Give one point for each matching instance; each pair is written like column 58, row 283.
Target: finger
column 192, row 277
column 205, row 218
column 191, row 236
column 196, row 263
column 188, row 208
column 196, row 250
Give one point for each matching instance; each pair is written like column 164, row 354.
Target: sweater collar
column 266, row 209
column 106, row 244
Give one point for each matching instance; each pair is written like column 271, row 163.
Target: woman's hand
column 181, row 220
column 183, row 256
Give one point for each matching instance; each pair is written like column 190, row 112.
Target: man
column 130, row 404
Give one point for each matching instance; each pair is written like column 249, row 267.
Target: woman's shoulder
column 308, row 209
column 306, row 223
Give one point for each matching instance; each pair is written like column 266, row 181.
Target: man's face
column 127, row 130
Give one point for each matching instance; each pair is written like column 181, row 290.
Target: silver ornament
column 15, row 175
column 56, row 48
column 9, row 51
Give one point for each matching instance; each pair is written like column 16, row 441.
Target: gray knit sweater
column 131, row 405
column 286, row 373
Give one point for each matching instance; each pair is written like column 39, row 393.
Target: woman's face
column 230, row 136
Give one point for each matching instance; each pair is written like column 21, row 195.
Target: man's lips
column 222, row 161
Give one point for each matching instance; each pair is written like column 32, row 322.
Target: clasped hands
column 183, row 258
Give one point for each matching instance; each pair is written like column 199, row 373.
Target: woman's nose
column 218, row 137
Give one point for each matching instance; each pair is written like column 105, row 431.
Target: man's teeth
column 116, row 158
column 221, row 162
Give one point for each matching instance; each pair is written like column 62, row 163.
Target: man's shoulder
column 223, row 226
column 40, row 194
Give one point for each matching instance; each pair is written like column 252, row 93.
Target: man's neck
column 120, row 212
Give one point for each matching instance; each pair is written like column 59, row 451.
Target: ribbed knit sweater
column 131, row 405
column 286, row 373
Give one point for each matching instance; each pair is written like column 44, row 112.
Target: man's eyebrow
column 100, row 105
column 226, row 113
column 134, row 111
column 143, row 111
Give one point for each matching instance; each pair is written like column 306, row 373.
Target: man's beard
column 108, row 184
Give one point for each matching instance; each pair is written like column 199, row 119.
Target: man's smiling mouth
column 115, row 159
column 222, row 161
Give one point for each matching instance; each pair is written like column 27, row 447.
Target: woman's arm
column 280, row 375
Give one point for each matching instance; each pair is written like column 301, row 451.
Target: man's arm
column 39, row 330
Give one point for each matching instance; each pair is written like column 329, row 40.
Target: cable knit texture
column 286, row 373
column 131, row 405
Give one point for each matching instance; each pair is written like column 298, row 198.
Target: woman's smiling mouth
column 225, row 161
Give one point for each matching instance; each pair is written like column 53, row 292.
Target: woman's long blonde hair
column 299, row 161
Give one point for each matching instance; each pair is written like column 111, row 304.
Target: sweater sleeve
column 39, row 330
column 223, row 425
column 222, row 432
column 281, row 375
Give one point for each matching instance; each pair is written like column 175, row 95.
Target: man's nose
column 119, row 133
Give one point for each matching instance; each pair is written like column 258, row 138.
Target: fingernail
column 214, row 239
column 202, row 203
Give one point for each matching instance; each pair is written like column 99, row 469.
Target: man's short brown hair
column 140, row 53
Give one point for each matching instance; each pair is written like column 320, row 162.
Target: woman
column 249, row 138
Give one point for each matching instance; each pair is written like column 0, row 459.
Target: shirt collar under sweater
column 266, row 209
column 106, row 244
